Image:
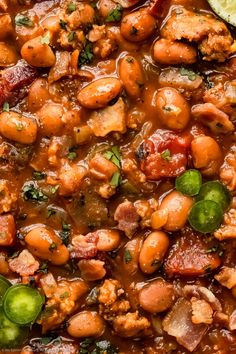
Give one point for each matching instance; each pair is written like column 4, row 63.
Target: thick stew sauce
column 117, row 177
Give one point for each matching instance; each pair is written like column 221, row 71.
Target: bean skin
column 86, row 324
column 209, row 162
column 168, row 52
column 178, row 207
column 45, row 244
column 153, row 251
column 38, row 54
column 131, row 74
column 17, row 127
column 50, row 118
column 172, row 109
column 138, row 26
column 99, row 92
column 157, row 296
column 108, row 240
column 131, row 256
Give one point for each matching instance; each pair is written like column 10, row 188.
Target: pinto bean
column 210, row 161
column 45, row 244
column 86, row 324
column 99, row 92
column 172, row 108
column 50, row 118
column 153, row 251
column 157, row 296
column 6, row 28
column 131, row 256
column 131, row 74
column 38, row 94
column 138, row 26
column 108, row 240
column 37, row 53
column 16, row 127
column 8, row 54
column 168, row 52
column 178, row 207
column 105, row 7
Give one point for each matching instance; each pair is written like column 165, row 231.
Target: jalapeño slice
column 11, row 335
column 22, row 304
column 217, row 192
column 189, row 183
column 4, row 285
column 205, row 216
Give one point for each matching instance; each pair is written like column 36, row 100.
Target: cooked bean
column 6, row 28
column 108, row 240
column 105, row 7
column 172, row 109
column 82, row 134
column 45, row 244
column 86, row 324
column 153, row 251
column 131, row 256
column 210, row 161
column 8, row 54
column 37, row 53
column 38, row 94
column 138, row 26
column 157, row 296
column 16, row 127
column 50, row 118
column 99, row 92
column 131, row 74
column 178, row 207
column 168, row 52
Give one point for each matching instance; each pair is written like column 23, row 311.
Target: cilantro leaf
column 21, row 20
column 30, row 192
column 6, row 107
column 189, row 73
column 45, row 39
column 115, row 15
column 114, row 156
column 71, row 7
column 86, row 55
column 127, row 256
column 38, row 175
column 166, row 155
column 116, row 179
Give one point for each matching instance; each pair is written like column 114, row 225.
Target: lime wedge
column 226, row 9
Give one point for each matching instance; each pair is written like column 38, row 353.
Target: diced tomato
column 164, row 154
column 189, row 257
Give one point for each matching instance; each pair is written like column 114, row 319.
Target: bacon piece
column 84, row 247
column 164, row 154
column 25, row 264
column 14, row 81
column 127, row 218
column 189, row 257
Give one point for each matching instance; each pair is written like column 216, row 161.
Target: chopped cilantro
column 115, row 180
column 45, row 39
column 19, row 126
column 129, row 60
column 43, row 268
column 38, row 175
column 62, row 24
column 71, row 36
column 114, row 156
column 166, row 155
column 30, row 192
column 65, row 295
column 115, row 15
column 54, row 189
column 189, row 73
column 212, row 249
column 52, row 247
column 21, row 20
column 72, row 155
column 71, row 7
column 127, row 256
column 6, row 107
column 86, row 55
column 65, row 233
column 50, row 212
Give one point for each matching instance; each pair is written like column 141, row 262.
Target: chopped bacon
column 164, row 154
column 84, row 247
column 127, row 218
column 14, row 81
column 189, row 257
column 24, row 264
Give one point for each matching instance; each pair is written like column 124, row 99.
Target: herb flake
column 189, row 73
column 21, row 20
column 166, row 155
column 115, row 15
column 127, row 256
